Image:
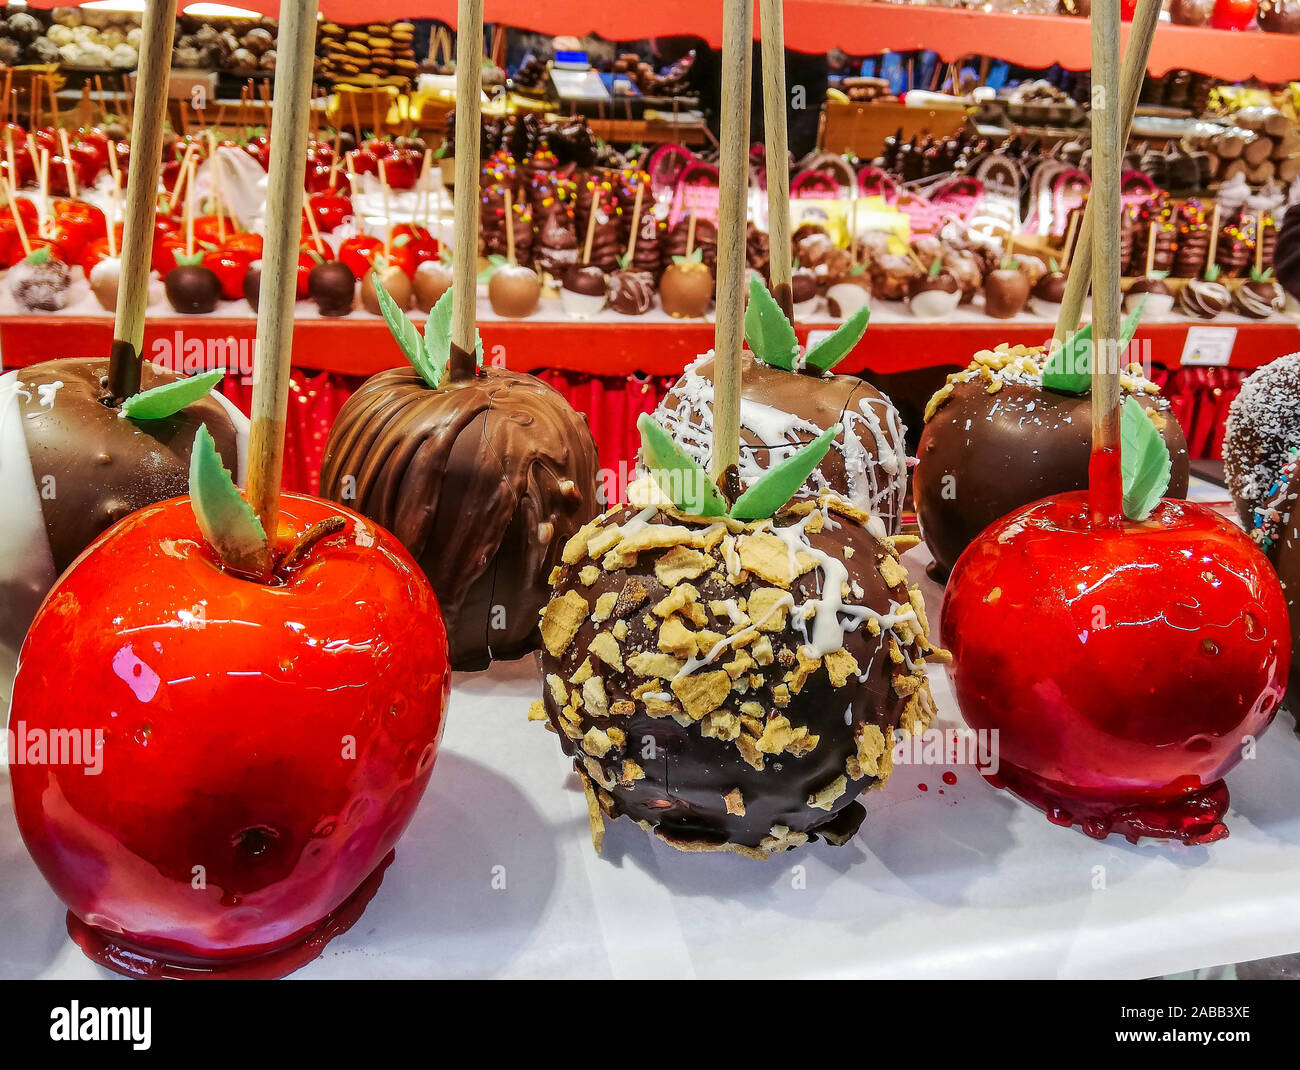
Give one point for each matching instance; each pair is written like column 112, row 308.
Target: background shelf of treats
column 943, row 148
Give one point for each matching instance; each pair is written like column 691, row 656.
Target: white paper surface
column 968, row 883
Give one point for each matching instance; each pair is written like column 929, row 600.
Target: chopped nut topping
column 561, row 620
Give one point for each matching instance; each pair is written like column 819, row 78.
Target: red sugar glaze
column 263, row 747
column 1123, row 666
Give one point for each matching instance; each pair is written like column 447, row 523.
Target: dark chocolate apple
column 995, row 439
column 720, row 728
column 192, row 289
column 514, row 290
column 686, row 289
column 332, row 286
column 482, row 473
column 1258, row 298
column 1006, row 291
column 1262, row 428
column 1204, row 299
column 1279, row 16
column 1191, row 12
column 1048, row 293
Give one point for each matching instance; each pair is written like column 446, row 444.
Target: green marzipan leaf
column 1143, row 461
column 839, row 343
column 678, row 474
column 1129, row 327
column 1068, row 370
column 405, row 334
column 778, row 485
column 437, row 337
column 170, row 398
column 767, row 332
column 226, row 520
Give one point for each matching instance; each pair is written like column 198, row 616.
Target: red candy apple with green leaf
column 268, row 711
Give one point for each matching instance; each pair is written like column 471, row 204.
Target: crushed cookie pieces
column 682, row 563
column 561, row 620
column 824, row 798
column 606, row 647
column 702, row 692
column 537, row 711
column 735, row 802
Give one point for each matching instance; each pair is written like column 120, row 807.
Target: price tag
column 1209, row 347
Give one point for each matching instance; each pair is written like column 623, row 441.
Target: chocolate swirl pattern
column 482, row 480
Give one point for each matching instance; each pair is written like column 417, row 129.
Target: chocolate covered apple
column 393, row 279
column 332, row 286
column 1052, row 607
column 260, row 742
column 1006, row 291
column 1008, row 429
column 631, row 292
column 481, row 472
column 1259, row 296
column 732, row 676
column 1262, row 428
column 1151, row 294
column 849, row 294
column 686, row 286
column 73, row 462
column 432, row 279
column 788, row 398
column 40, row 281
column 192, row 289
column 1206, row 298
column 584, row 291
column 934, row 295
column 1048, row 292
column 513, row 290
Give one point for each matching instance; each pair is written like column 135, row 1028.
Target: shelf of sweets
column 609, row 344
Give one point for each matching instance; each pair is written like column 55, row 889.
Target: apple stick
column 781, row 259
column 388, row 211
column 1108, row 123
column 733, row 163
column 288, row 166
column 1259, row 242
column 313, row 229
column 182, row 176
column 636, row 221
column 43, row 204
column 338, row 159
column 426, row 167
column 690, row 232
column 189, row 213
column 469, row 90
column 1135, row 66
column 591, row 224
column 19, row 225
column 510, row 230
column 69, row 171
column 1151, row 248
column 1212, row 253
column 54, row 102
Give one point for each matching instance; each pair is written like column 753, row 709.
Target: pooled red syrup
column 1122, row 663
column 124, row 956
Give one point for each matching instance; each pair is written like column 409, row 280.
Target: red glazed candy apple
column 1125, row 666
column 1234, row 14
column 263, row 744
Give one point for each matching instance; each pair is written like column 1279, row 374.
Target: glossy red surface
column 1125, row 668
column 263, row 746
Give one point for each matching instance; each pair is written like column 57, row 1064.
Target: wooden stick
column 142, row 183
column 54, row 102
column 189, row 211
column 69, row 171
column 733, row 164
column 1107, row 152
column 1135, row 66
column 19, row 225
column 781, row 258
column 288, row 165
column 591, row 222
column 312, row 228
column 1259, row 242
column 636, row 220
column 690, row 232
column 1212, row 252
column 510, row 231
column 1151, row 248
column 388, row 211
column 469, row 89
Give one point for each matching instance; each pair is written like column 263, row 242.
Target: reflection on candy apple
column 263, row 745
column 1126, row 668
